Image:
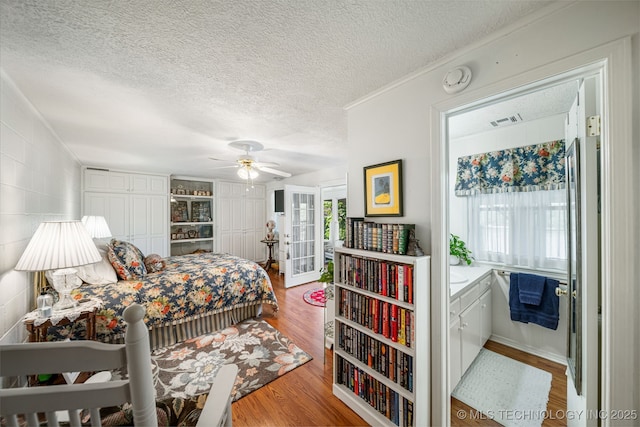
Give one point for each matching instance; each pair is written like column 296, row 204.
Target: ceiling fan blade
column 222, row 160
column 226, row 167
column 275, row 172
column 265, row 164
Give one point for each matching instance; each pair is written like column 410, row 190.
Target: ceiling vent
column 506, row 121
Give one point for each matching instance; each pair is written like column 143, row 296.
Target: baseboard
column 531, row 350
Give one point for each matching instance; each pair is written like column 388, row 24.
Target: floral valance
column 529, row 168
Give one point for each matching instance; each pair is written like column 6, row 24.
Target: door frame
column 617, row 244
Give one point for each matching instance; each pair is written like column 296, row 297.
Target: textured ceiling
column 161, row 85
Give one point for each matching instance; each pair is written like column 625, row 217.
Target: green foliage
column 328, row 216
column 327, row 273
column 458, row 248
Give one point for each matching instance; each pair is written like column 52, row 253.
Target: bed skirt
column 166, row 335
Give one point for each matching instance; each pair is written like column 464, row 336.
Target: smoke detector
column 457, row 79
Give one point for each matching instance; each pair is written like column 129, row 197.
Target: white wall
column 527, row 133
column 398, row 120
column 39, row 181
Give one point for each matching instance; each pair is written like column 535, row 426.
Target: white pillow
column 100, row 273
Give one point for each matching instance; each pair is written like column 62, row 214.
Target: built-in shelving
column 191, row 213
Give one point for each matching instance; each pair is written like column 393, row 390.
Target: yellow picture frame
column 383, row 189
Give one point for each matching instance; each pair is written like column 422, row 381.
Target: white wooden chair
column 89, row 356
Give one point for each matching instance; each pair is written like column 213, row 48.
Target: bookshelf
column 381, row 350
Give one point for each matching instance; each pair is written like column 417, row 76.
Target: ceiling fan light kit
column 248, row 166
column 247, row 172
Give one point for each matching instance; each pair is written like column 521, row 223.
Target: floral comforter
column 190, row 286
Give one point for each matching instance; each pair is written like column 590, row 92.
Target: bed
column 184, row 296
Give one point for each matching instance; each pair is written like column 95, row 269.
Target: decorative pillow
column 127, row 260
column 154, row 263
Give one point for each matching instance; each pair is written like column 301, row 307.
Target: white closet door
column 113, row 207
column 157, row 229
column 241, row 220
column 140, row 216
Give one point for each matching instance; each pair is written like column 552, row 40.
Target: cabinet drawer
column 485, row 284
column 469, row 297
column 454, row 310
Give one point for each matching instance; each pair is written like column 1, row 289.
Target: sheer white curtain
column 524, row 229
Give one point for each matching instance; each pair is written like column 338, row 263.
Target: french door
column 302, row 237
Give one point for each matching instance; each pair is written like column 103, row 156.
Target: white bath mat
column 505, row 390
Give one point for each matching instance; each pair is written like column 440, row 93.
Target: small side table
column 270, row 260
column 86, row 310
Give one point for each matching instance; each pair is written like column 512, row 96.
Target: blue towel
column 530, row 288
column 546, row 314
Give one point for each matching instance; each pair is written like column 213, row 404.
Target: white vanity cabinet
column 469, row 325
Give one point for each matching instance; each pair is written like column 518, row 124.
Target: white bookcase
column 380, row 368
column 191, row 213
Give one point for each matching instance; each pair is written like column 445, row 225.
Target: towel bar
column 562, row 284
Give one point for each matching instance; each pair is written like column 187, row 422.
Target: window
column 525, row 229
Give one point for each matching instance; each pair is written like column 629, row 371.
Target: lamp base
column 65, row 281
column 64, row 302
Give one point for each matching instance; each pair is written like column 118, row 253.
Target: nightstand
column 86, row 310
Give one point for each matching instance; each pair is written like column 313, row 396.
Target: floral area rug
column 261, row 352
column 315, row 297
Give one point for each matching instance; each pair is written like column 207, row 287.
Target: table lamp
column 96, row 226
column 60, row 245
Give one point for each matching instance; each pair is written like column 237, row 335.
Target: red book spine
column 385, row 319
column 376, row 315
column 394, row 323
column 385, row 272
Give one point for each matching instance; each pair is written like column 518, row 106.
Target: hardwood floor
column 304, row 397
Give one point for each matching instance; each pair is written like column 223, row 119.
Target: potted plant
column 326, row 275
column 458, row 251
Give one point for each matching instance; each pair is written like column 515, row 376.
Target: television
column 278, row 201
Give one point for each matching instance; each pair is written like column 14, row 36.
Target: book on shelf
column 371, row 236
column 386, row 401
column 385, row 278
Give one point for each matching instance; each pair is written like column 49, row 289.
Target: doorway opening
column 526, row 116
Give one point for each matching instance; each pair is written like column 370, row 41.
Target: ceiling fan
column 248, row 166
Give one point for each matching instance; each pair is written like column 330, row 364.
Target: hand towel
column 530, row 288
column 546, row 314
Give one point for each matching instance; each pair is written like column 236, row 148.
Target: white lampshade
column 97, row 226
column 59, row 244
column 246, row 173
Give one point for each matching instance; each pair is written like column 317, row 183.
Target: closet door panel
column 237, row 215
column 140, row 214
column 119, row 181
column 158, row 216
column 157, row 226
column 113, row 207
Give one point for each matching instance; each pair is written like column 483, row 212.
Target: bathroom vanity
column 469, row 316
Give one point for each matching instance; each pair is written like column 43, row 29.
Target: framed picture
column 383, row 189
column 179, row 211
column 201, row 211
